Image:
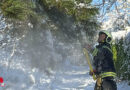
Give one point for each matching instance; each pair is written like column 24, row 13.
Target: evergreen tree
column 80, row 9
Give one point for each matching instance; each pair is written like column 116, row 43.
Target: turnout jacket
column 103, row 59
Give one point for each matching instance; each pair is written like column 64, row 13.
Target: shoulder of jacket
column 107, row 48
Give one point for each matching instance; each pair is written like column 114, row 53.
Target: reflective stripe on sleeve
column 107, row 74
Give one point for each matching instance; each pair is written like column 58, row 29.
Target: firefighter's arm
column 91, row 73
column 89, row 47
column 98, row 60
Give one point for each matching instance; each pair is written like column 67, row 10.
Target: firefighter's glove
column 91, row 73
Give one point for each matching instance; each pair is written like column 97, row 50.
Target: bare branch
column 103, row 2
column 117, row 8
column 12, row 54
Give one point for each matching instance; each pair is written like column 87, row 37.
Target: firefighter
column 103, row 63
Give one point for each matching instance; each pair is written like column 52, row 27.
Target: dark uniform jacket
column 103, row 60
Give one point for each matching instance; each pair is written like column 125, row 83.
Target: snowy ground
column 69, row 78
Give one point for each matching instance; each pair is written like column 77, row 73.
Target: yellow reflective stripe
column 107, row 74
column 114, row 52
column 95, row 52
column 107, row 48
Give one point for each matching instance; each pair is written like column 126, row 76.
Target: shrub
column 122, row 61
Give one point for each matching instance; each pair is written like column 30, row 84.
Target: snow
column 69, row 78
column 120, row 34
column 19, row 75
